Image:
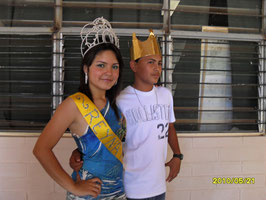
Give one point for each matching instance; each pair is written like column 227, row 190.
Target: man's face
column 148, row 69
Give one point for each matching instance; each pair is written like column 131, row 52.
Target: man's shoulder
column 163, row 90
column 125, row 91
column 124, row 94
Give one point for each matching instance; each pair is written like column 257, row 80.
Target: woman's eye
column 100, row 65
column 150, row 62
column 115, row 66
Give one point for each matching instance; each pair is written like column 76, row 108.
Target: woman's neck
column 99, row 98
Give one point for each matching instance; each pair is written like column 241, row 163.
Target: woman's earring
column 86, row 78
column 115, row 83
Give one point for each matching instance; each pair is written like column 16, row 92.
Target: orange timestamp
column 233, row 180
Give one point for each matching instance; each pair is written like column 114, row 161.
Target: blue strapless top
column 99, row 162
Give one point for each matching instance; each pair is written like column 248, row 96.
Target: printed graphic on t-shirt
column 136, row 116
column 164, row 131
column 144, row 114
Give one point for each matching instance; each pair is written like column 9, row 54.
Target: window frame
column 165, row 33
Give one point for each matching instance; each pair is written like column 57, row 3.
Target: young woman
column 96, row 125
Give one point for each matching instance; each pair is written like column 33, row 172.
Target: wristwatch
column 180, row 156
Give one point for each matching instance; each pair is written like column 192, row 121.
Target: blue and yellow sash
column 98, row 124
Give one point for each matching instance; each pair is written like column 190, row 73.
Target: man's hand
column 174, row 165
column 75, row 160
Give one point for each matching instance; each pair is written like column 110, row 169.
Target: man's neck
column 142, row 87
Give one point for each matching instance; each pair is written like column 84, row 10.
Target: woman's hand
column 90, row 187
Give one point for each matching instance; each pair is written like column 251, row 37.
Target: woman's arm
column 43, row 150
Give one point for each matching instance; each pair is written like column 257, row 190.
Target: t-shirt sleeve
column 172, row 112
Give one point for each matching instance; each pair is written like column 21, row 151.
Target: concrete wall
column 22, row 177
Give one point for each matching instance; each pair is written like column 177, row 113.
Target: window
column 215, row 85
column 25, row 77
column 213, row 56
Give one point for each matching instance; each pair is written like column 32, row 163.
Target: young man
column 150, row 125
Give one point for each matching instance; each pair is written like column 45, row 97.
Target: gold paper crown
column 146, row 48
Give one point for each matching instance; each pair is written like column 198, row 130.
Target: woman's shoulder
column 67, row 105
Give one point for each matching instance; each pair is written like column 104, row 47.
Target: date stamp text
column 233, row 180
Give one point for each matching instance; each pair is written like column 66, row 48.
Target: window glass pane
column 25, row 77
column 26, row 13
column 215, row 85
column 122, row 14
column 244, row 17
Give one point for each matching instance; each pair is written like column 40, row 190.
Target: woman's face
column 104, row 71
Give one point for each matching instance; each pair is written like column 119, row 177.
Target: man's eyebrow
column 151, row 59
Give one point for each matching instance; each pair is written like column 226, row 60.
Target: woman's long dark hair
column 112, row 93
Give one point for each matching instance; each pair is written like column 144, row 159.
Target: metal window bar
column 182, row 8
column 58, row 57
column 245, row 74
column 25, row 82
column 261, row 89
column 57, row 70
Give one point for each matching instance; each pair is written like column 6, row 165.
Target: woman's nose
column 109, row 70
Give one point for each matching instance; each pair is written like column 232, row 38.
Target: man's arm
column 175, row 162
column 75, row 160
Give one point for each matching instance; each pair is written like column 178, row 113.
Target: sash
column 98, row 125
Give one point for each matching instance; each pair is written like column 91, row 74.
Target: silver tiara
column 102, row 32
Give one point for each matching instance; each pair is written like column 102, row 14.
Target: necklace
column 141, row 103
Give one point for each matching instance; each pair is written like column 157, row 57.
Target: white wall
column 225, row 157
column 22, row 178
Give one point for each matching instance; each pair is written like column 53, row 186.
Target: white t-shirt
column 148, row 115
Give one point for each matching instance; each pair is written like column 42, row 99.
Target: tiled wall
column 220, row 157
column 22, row 177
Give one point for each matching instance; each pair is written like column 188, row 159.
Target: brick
column 35, row 169
column 255, row 140
column 254, row 193
column 40, row 183
column 185, row 143
column 178, row 195
column 41, row 195
column 215, row 194
column 240, row 154
column 19, row 154
column 13, row 184
column 18, row 170
column 226, row 168
column 190, row 183
column 216, row 142
column 254, row 167
column 30, row 141
column 200, row 155
column 12, row 142
column 11, row 195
